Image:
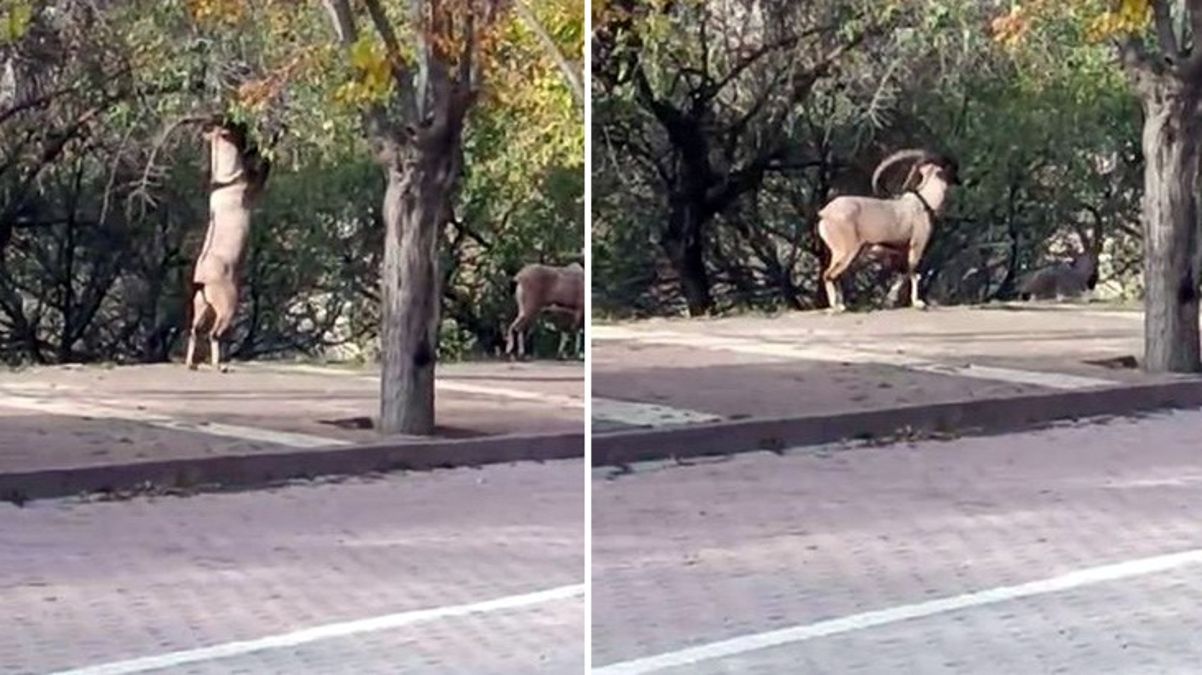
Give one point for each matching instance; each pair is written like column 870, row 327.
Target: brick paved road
column 691, row 556
column 83, row 584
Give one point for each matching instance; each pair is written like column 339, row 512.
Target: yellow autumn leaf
column 362, row 54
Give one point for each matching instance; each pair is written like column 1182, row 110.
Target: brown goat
column 237, row 175
column 546, row 288
column 848, row 224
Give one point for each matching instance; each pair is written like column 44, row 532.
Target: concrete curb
column 267, row 468
column 982, row 416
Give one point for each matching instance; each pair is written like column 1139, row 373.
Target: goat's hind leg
column 841, row 259
column 915, row 301
column 917, row 245
column 515, row 337
column 200, row 315
column 831, row 277
column 224, row 298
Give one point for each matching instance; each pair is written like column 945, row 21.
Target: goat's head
column 230, row 148
column 226, row 129
column 943, row 170
column 924, row 166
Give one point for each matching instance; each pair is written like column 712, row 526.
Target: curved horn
column 900, row 155
column 913, row 173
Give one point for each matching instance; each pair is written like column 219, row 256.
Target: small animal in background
column 1061, row 280
column 548, row 288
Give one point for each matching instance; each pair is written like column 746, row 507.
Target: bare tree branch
column 1162, row 18
column 142, row 191
column 343, row 21
column 570, row 76
column 1194, row 9
column 384, row 27
column 379, row 130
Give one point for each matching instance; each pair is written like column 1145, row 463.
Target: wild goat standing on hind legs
column 904, row 223
column 237, row 176
column 543, row 287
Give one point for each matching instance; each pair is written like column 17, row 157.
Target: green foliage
column 1047, row 135
column 15, row 17
column 99, row 259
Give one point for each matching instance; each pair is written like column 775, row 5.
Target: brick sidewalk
column 91, row 583
column 690, row 555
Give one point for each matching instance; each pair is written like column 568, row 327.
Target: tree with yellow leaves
column 435, row 79
column 1158, row 43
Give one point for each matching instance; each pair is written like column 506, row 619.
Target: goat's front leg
column 912, row 268
column 915, row 301
column 215, row 352
column 578, row 333
column 562, row 351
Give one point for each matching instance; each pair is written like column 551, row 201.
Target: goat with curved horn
column 903, row 224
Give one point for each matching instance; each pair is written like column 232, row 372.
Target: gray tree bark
column 421, row 150
column 420, row 183
column 1170, row 221
column 1168, row 80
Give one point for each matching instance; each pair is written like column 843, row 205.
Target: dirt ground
column 61, row 417
column 681, row 371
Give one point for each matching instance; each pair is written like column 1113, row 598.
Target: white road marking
column 333, row 630
column 832, row 353
column 647, row 414
column 800, row 633
column 105, row 409
column 1140, row 483
column 557, row 400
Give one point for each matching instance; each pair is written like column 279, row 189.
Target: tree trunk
column 414, row 207
column 1170, row 215
column 684, row 246
column 689, row 262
